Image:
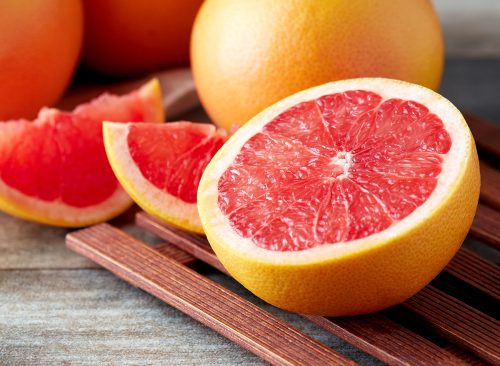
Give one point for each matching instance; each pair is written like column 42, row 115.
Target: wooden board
column 448, row 331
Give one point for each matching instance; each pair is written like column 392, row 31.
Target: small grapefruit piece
column 54, row 170
column 160, row 166
column 342, row 199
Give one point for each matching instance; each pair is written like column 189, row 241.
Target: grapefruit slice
column 342, row 199
column 160, row 166
column 54, row 170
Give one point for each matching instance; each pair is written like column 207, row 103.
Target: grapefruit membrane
column 342, row 199
column 54, row 170
column 160, row 166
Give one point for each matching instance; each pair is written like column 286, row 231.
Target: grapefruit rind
column 57, row 213
column 50, row 213
column 366, row 274
column 149, row 197
column 151, row 94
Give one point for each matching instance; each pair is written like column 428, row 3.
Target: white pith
column 219, row 227
column 152, row 199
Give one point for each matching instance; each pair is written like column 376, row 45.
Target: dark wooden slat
column 194, row 244
column 485, row 133
column 374, row 334
column 386, row 340
column 175, row 253
column 468, row 358
column 209, row 303
column 458, row 322
column 476, row 271
column 486, row 226
column 490, row 185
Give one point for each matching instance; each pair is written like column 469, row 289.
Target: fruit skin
column 366, row 280
column 40, row 44
column 133, row 37
column 247, row 55
column 60, row 214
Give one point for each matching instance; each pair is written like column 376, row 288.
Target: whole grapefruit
column 247, row 55
column 40, row 43
column 134, row 37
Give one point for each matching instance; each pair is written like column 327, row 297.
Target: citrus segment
column 54, row 170
column 342, row 199
column 160, row 166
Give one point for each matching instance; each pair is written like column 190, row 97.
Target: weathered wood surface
column 213, row 305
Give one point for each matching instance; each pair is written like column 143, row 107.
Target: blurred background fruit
column 131, row 37
column 40, row 42
column 248, row 54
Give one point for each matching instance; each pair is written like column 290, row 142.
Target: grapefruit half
column 342, row 199
column 160, row 166
column 54, row 170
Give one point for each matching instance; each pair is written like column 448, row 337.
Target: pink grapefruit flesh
column 173, row 156
column 54, row 169
column 160, row 166
column 333, row 169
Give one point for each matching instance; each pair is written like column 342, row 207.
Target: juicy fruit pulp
column 59, row 160
column 333, row 169
column 160, row 166
column 173, row 156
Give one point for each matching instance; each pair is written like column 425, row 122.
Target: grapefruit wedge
column 54, row 170
column 342, row 199
column 160, row 166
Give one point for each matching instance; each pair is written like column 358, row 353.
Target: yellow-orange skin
column 351, row 282
column 128, row 37
column 247, row 55
column 40, row 44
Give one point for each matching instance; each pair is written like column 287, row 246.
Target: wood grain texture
column 375, row 334
column 387, row 340
column 490, row 185
column 171, row 251
column 485, row 133
column 458, row 322
column 26, row 245
column 476, row 271
column 90, row 317
column 242, row 322
column 486, row 226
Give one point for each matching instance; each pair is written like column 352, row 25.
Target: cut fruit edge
column 144, row 193
column 454, row 166
column 56, row 213
column 49, row 213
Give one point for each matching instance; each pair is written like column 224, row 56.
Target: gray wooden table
column 57, row 308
